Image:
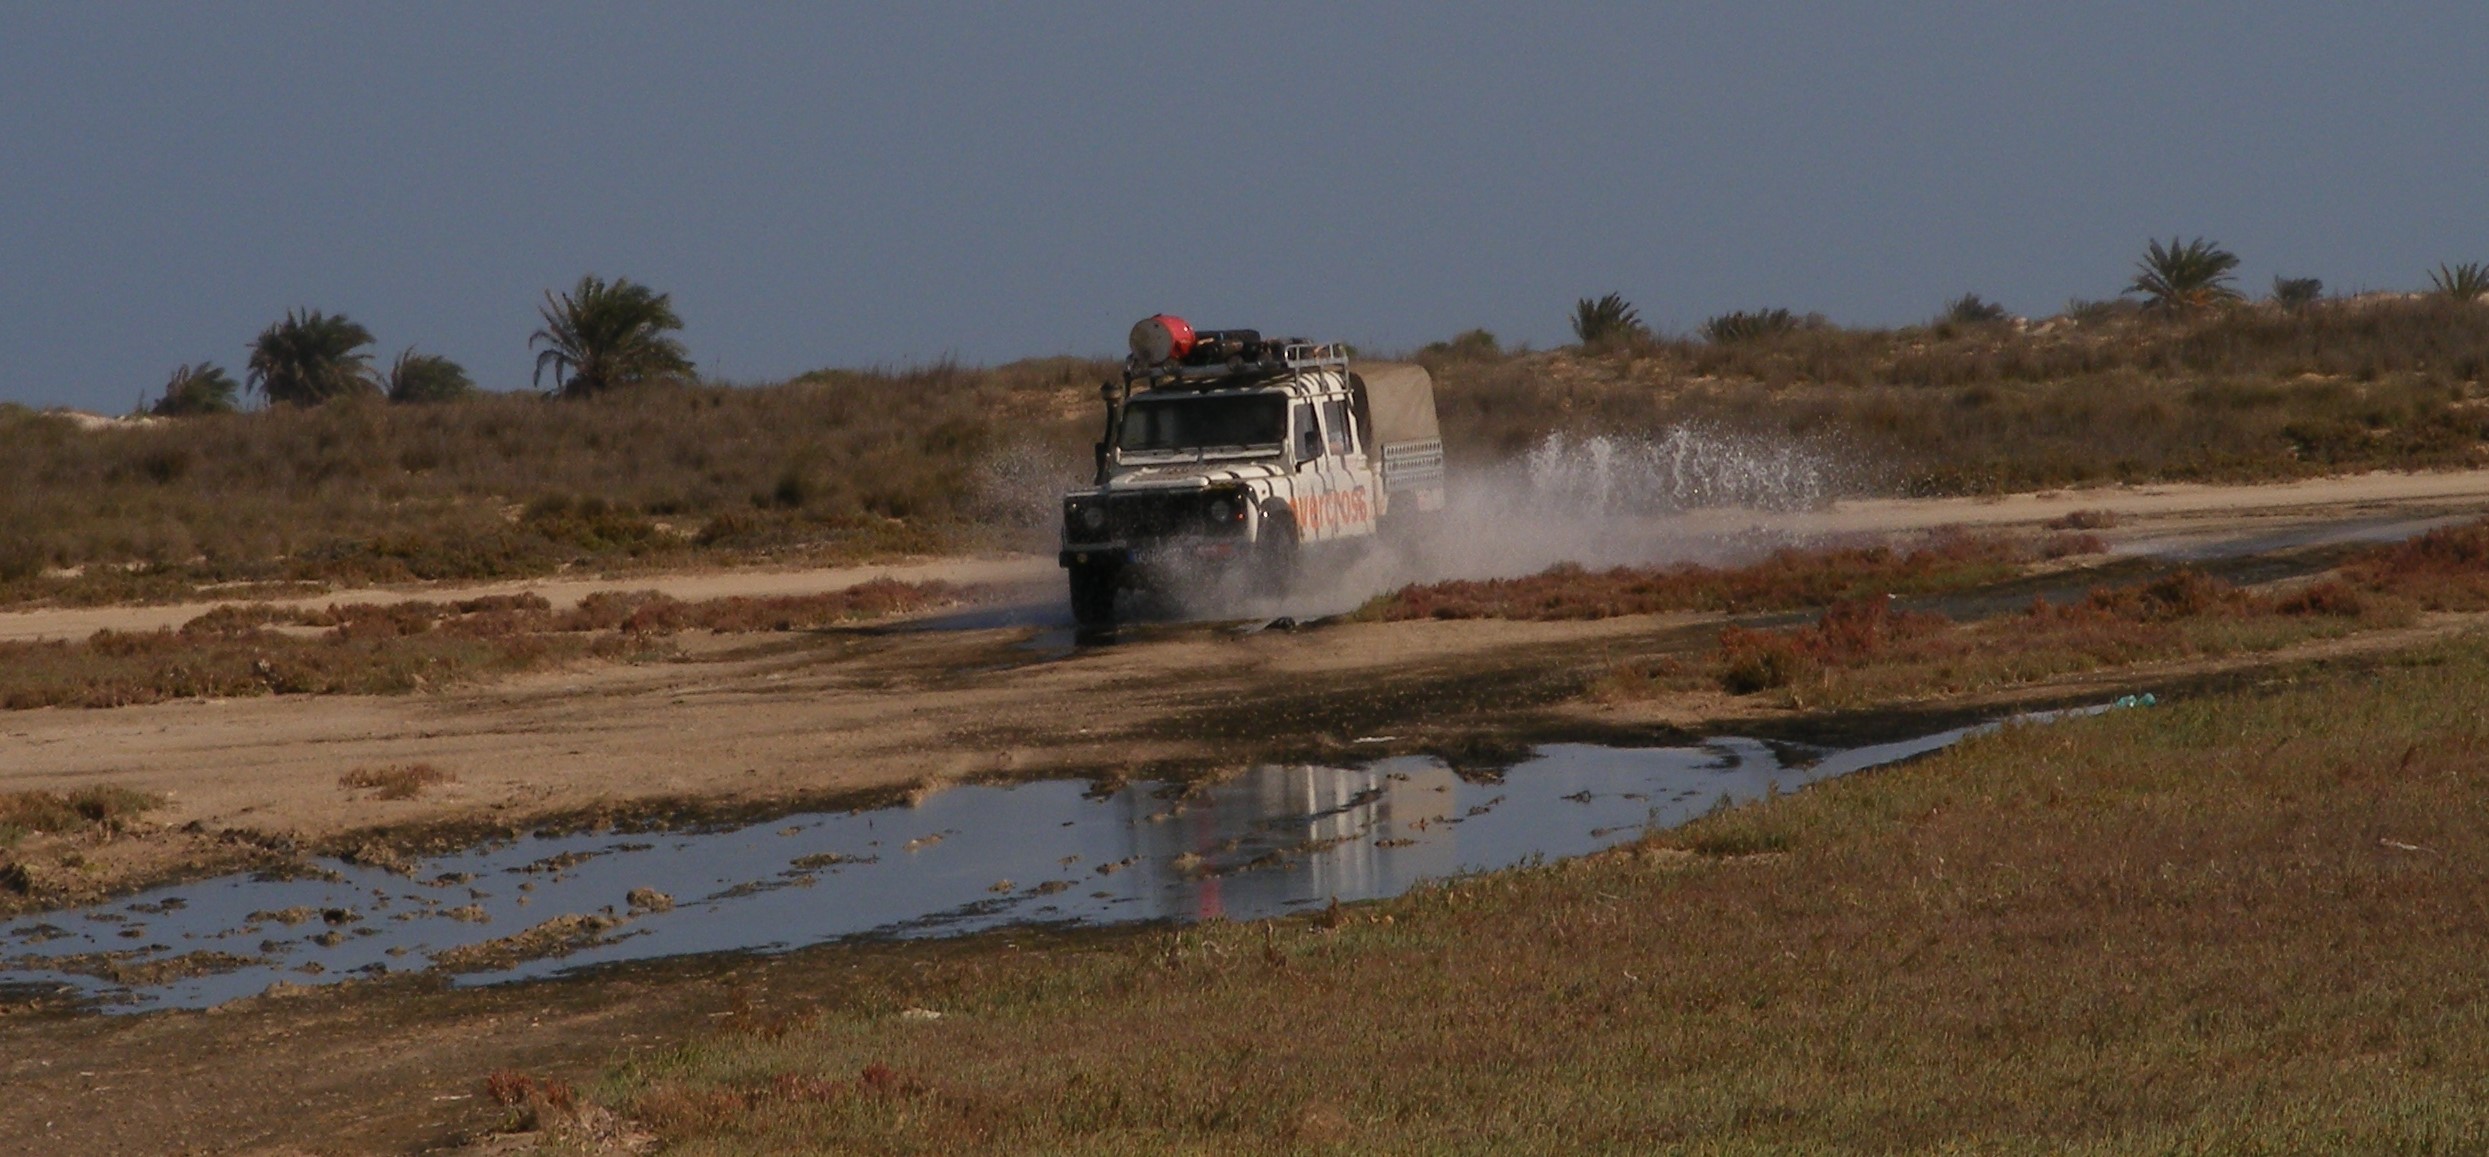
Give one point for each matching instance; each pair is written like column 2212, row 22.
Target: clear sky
column 881, row 184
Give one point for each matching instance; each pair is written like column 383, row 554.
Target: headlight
column 1093, row 517
column 1221, row 510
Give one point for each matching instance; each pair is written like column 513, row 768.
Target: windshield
column 1204, row 422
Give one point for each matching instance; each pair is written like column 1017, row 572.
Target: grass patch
column 1787, row 580
column 396, row 781
column 2245, row 924
column 106, row 808
column 393, row 648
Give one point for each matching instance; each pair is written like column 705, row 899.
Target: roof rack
column 1292, row 357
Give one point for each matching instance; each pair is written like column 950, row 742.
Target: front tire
column 1093, row 595
column 1275, row 559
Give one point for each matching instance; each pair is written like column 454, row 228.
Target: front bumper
column 1108, row 554
column 1118, row 554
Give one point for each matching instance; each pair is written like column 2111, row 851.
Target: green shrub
column 2297, row 292
column 1744, row 325
column 1470, row 345
column 1971, row 309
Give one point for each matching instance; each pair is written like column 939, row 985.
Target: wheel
column 1093, row 595
column 1414, row 542
column 1275, row 559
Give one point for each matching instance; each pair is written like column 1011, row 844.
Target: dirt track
column 2164, row 516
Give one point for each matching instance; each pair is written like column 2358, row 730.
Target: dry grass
column 845, row 465
column 394, row 648
column 1786, row 580
column 833, row 465
column 2240, row 395
column 2246, row 924
column 118, row 669
column 396, row 781
column 107, row 808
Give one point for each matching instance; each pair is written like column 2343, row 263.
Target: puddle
column 2303, row 536
column 1274, row 840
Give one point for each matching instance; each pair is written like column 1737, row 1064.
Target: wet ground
column 1274, row 840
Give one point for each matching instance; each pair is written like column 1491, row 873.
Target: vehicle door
column 1351, row 476
column 1309, row 481
column 1331, row 500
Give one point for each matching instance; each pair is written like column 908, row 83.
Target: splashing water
column 1683, row 468
column 1620, row 500
column 1599, row 500
column 1021, row 486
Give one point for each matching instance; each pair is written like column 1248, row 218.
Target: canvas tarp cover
column 1400, row 400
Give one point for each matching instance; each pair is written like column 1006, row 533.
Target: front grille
column 1147, row 516
column 1134, row 518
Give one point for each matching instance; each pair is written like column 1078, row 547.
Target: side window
column 1335, row 424
column 1308, row 434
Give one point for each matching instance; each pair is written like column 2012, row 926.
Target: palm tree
column 311, row 357
column 418, row 377
column 599, row 336
column 200, row 389
column 2181, row 278
column 1606, row 321
column 2466, row 282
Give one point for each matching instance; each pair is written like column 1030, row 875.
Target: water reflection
column 1273, row 840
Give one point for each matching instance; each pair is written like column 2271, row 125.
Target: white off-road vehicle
column 1228, row 454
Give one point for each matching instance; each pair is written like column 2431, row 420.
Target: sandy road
column 2180, row 521
column 1010, row 569
column 2162, row 518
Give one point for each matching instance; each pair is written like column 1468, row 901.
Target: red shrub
column 1849, row 633
column 2446, row 569
column 1785, row 580
column 2330, row 597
